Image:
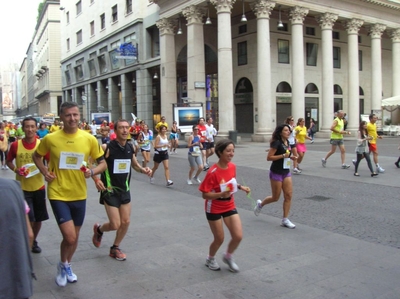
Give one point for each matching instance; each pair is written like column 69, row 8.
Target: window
column 114, row 45
column 78, row 7
column 242, row 29
column 115, row 62
column 79, row 73
column 79, row 37
column 360, row 60
column 154, row 34
column 284, row 28
column 91, row 28
column 92, row 68
column 132, row 40
column 114, row 13
column 336, row 57
column 67, row 16
column 310, row 31
column 283, row 51
column 102, row 21
column 102, row 64
column 68, row 44
column 359, row 39
column 335, row 35
column 242, row 53
column 68, row 77
column 312, row 54
column 128, row 6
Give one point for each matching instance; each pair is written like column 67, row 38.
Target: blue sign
column 126, row 51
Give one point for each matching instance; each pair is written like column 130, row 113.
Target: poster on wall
column 8, row 103
column 186, row 117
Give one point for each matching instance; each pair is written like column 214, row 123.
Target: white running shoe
column 189, row 182
column 231, row 263
column 71, row 276
column 323, row 162
column 197, row 179
column 151, row 180
column 212, row 264
column 380, row 169
column 345, row 166
column 287, row 223
column 258, row 207
column 169, row 183
column 296, row 171
column 61, row 278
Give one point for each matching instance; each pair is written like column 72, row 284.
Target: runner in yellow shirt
column 55, row 127
column 68, row 149
column 371, row 129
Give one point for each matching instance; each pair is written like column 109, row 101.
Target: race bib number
column 196, row 151
column 72, row 161
column 231, row 186
column 286, row 163
column 122, row 166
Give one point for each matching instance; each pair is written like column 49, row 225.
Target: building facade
column 110, row 58
column 250, row 63
column 321, row 58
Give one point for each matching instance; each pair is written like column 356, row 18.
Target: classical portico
column 348, row 75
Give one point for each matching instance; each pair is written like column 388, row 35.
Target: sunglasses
column 195, row 128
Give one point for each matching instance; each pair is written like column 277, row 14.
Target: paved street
column 346, row 243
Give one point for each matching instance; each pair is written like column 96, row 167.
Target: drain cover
column 318, row 198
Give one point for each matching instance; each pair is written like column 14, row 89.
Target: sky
column 17, row 25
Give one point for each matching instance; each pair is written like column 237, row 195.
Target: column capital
column 223, row 5
column 262, row 8
column 326, row 20
column 166, row 26
column 193, row 14
column 297, row 15
column 353, row 26
column 376, row 30
column 395, row 35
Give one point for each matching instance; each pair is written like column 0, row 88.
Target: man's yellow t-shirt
column 54, row 128
column 158, row 125
column 24, row 157
column 67, row 151
column 371, row 129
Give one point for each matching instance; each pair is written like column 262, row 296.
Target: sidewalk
column 168, row 241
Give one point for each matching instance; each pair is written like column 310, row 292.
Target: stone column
column 195, row 53
column 263, row 102
column 127, row 97
column 297, row 15
column 352, row 27
column 225, row 70
column 326, row 22
column 395, row 35
column 113, row 99
column 144, row 94
column 167, row 67
column 376, row 57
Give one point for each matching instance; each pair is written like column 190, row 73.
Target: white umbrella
column 393, row 101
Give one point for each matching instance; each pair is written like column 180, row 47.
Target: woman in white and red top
column 218, row 188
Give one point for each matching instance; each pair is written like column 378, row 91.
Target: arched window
column 311, row 88
column 361, row 91
column 284, row 87
column 244, row 85
column 337, row 89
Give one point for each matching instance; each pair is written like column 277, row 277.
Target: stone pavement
column 168, row 241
